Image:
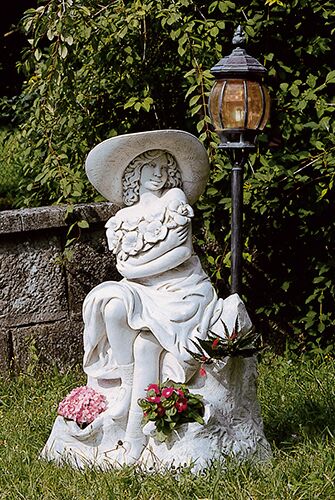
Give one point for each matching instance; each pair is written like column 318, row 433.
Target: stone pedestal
column 233, row 427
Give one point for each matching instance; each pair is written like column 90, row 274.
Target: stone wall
column 41, row 294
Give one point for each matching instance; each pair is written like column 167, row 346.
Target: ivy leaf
column 83, row 224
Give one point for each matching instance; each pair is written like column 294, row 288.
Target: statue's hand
column 178, row 236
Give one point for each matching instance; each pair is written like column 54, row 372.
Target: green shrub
column 97, row 69
column 10, row 174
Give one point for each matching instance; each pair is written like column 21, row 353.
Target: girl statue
column 139, row 331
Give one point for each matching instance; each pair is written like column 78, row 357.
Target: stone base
column 233, row 427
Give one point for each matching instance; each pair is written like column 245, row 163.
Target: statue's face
column 154, row 174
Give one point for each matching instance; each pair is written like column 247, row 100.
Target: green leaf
column 62, row 50
column 194, row 100
column 330, row 78
column 294, row 89
column 50, row 34
column 311, row 81
column 38, row 54
column 146, row 104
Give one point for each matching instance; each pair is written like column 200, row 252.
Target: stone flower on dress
column 132, row 243
column 114, row 240
column 113, row 223
column 179, row 213
column 114, row 234
column 153, row 231
column 131, row 224
column 157, row 215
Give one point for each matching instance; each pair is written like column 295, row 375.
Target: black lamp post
column 239, row 107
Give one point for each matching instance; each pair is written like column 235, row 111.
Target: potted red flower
column 170, row 405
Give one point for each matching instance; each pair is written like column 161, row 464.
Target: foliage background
column 97, row 69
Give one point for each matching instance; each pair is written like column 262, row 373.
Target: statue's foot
column 128, row 452
column 119, row 407
column 134, row 448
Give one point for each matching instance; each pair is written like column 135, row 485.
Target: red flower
column 167, row 392
column 145, row 413
column 202, row 372
column 153, row 387
column 180, row 393
column 215, row 343
column 160, row 411
column 233, row 335
column 181, row 405
column 154, row 399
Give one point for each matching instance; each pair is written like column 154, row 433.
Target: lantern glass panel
column 233, row 105
column 215, row 104
column 255, row 105
column 267, row 108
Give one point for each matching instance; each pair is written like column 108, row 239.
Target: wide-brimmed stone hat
column 107, row 162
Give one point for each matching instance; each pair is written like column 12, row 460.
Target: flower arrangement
column 236, row 344
column 169, row 405
column 127, row 237
column 82, row 405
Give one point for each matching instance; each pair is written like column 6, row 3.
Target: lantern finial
column 239, row 37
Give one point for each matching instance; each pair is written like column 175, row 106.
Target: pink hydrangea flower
column 82, row 405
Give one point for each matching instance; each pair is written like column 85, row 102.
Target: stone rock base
column 233, row 427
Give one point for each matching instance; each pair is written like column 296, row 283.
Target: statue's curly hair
column 132, row 174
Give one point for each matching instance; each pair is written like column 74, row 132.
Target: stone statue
column 142, row 330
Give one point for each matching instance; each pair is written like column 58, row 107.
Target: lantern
column 239, row 103
column 239, row 107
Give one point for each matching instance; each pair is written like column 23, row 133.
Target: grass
column 298, row 407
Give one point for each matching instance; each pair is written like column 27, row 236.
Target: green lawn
column 298, row 406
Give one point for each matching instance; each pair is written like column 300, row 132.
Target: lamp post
column 239, row 107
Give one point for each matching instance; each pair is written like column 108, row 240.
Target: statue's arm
column 175, row 238
column 165, row 262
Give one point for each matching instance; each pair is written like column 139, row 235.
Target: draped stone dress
column 177, row 306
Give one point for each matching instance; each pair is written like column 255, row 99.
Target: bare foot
column 133, row 448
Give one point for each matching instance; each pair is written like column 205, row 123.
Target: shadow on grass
column 303, row 419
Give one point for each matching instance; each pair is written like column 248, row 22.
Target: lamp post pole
column 239, row 106
column 236, row 227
